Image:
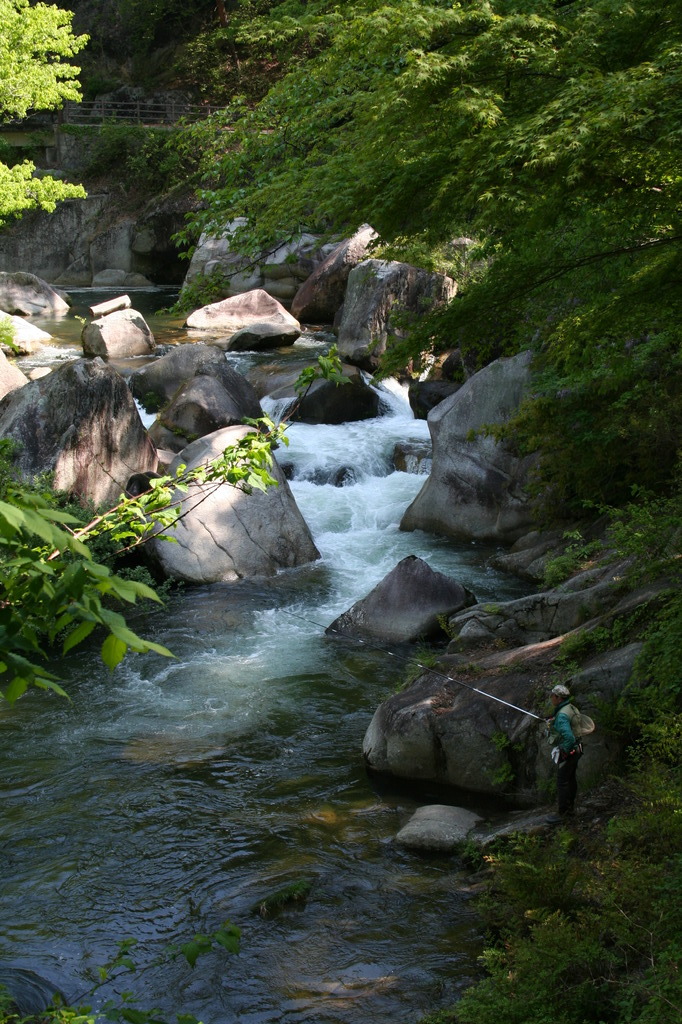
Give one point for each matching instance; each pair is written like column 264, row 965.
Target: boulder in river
column 261, row 336
column 409, row 604
column 438, row 828
column 81, row 423
column 27, row 295
column 118, row 335
column 378, row 293
column 229, row 316
column 11, row 376
column 157, row 382
column 26, row 337
column 413, row 457
column 328, row 402
column 477, row 485
column 227, row 535
column 201, row 406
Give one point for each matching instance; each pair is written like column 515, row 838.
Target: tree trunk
column 110, row 306
column 222, row 13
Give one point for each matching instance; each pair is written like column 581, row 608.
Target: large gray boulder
column 81, row 423
column 409, row 604
column 118, row 335
column 27, row 295
column 11, row 376
column 327, row 402
column 227, row 535
column 476, row 488
column 452, row 728
column 227, row 317
column 157, row 382
column 278, row 271
column 376, row 292
column 320, row 297
column 201, row 406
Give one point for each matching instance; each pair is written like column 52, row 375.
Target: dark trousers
column 567, row 785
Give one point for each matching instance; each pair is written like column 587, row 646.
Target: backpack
column 581, row 725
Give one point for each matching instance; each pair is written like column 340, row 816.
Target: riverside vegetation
column 545, row 134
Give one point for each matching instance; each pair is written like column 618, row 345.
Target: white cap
column 560, row 691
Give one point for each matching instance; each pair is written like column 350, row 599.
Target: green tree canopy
column 36, row 42
column 431, row 118
column 549, row 132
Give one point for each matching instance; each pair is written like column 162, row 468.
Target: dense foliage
column 585, row 927
column 36, row 42
column 546, row 135
column 549, row 134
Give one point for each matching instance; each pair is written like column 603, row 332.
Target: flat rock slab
column 438, row 827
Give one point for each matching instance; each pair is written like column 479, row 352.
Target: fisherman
column 567, row 750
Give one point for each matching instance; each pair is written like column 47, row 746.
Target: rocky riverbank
column 439, row 729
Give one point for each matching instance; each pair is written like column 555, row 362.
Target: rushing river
column 171, row 796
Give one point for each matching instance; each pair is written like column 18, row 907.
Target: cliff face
column 84, row 237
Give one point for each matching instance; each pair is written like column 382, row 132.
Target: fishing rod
column 433, row 671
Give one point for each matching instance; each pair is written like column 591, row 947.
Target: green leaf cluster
column 54, row 592
column 36, row 43
column 428, row 118
column 328, row 368
column 51, row 586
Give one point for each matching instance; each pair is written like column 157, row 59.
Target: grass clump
column 294, row 894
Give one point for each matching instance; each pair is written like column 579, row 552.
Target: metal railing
column 135, row 111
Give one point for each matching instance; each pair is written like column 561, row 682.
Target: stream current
column 171, row 796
